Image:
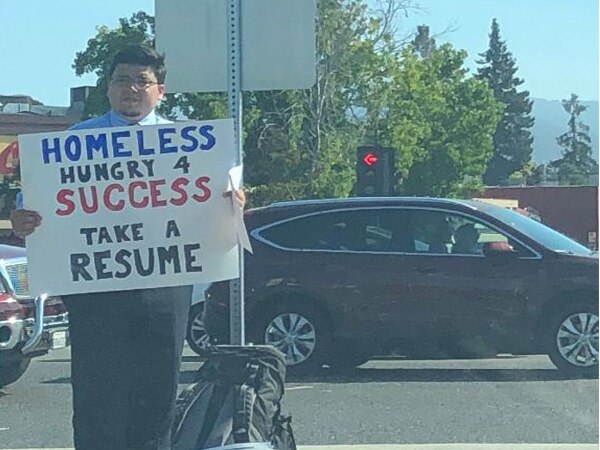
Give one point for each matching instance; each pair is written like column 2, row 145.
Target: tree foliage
column 316, row 130
column 139, row 29
column 441, row 123
column 577, row 164
column 513, row 138
column 100, row 49
column 423, row 43
column 302, row 143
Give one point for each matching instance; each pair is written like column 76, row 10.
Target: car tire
column 197, row 338
column 11, row 371
column 571, row 337
column 299, row 331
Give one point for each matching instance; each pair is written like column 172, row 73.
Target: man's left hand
column 240, row 196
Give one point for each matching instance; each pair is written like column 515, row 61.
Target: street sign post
column 276, row 44
column 237, row 322
column 234, row 45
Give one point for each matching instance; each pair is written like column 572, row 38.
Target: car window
column 387, row 231
column 384, row 230
column 293, row 233
column 369, row 230
column 441, row 232
column 547, row 236
column 431, row 231
column 323, row 231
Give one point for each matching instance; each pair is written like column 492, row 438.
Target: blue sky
column 555, row 42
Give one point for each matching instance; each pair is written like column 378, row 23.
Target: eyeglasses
column 140, row 84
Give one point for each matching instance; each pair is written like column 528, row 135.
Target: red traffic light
column 370, row 158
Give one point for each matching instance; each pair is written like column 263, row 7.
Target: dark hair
column 143, row 56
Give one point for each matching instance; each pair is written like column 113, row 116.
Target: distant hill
column 551, row 121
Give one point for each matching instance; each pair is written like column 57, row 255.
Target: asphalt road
column 387, row 401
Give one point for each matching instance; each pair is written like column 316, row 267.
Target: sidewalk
column 453, row 447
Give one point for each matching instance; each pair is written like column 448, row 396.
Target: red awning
column 9, row 158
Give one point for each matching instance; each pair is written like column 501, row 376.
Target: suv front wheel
column 572, row 338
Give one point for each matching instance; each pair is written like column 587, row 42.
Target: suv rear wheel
column 197, row 338
column 572, row 338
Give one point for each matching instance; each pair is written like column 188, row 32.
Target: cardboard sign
column 130, row 207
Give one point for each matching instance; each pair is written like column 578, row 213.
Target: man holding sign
column 131, row 221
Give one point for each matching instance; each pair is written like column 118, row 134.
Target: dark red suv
column 332, row 282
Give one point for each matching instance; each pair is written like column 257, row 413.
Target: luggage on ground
column 236, row 399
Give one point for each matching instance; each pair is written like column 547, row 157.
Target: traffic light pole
column 236, row 287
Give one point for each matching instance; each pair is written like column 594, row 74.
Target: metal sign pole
column 279, row 53
column 236, row 287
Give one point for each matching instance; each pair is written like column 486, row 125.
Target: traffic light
column 375, row 171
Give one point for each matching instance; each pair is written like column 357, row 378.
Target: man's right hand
column 24, row 222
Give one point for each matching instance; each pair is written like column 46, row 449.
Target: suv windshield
column 546, row 236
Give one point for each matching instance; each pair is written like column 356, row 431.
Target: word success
column 136, row 194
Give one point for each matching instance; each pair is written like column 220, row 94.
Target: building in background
column 21, row 114
column 572, row 210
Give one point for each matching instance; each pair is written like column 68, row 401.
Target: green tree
column 139, row 29
column 538, row 176
column 513, row 138
column 440, row 121
column 299, row 143
column 10, row 184
column 94, row 59
column 423, row 43
column 577, row 164
column 525, row 176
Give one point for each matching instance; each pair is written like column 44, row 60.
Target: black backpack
column 236, row 399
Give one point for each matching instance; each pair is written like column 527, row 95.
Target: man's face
column 133, row 91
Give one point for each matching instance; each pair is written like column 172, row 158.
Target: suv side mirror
column 496, row 249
